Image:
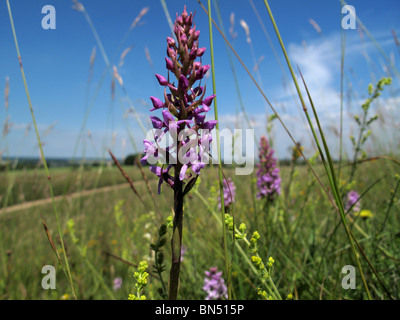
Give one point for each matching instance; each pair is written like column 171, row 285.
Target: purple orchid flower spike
column 268, row 179
column 183, row 116
column 184, row 107
column 229, row 189
column 353, row 201
column 214, row 285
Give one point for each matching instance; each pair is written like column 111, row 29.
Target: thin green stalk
column 285, row 80
column 358, row 146
column 371, row 266
column 41, row 151
column 284, row 52
column 221, row 179
column 338, row 198
column 390, row 206
column 168, row 17
column 235, row 78
column 108, row 67
column 330, row 171
column 97, row 275
column 287, row 189
column 343, row 45
column 302, row 209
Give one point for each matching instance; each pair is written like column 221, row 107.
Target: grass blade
column 41, row 149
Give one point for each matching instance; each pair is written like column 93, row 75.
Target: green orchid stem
column 176, row 240
column 67, row 271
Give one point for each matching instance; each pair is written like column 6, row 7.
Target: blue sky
column 56, row 64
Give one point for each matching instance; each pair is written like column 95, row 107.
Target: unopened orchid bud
column 161, row 80
column 170, row 41
column 169, row 64
column 157, row 103
column 183, row 38
column 171, row 53
column 200, row 51
column 193, row 54
column 207, row 101
column 183, row 83
column 184, row 14
column 197, row 65
column 157, row 122
column 206, row 68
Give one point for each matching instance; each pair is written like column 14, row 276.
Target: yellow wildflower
column 365, row 214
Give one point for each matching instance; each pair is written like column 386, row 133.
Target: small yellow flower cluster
column 133, row 297
column 141, row 275
column 253, row 247
column 255, row 237
column 229, row 222
column 264, row 295
column 65, row 296
column 257, row 261
column 264, row 270
column 141, row 281
column 270, row 262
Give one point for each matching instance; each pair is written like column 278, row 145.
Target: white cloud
column 319, row 63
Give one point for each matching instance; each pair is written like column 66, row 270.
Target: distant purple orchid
column 214, row 285
column 117, row 283
column 268, row 179
column 229, row 193
column 353, row 201
column 183, row 252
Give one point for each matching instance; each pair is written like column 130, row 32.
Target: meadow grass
column 30, row 184
column 299, row 232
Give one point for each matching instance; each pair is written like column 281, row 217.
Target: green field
column 302, row 232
